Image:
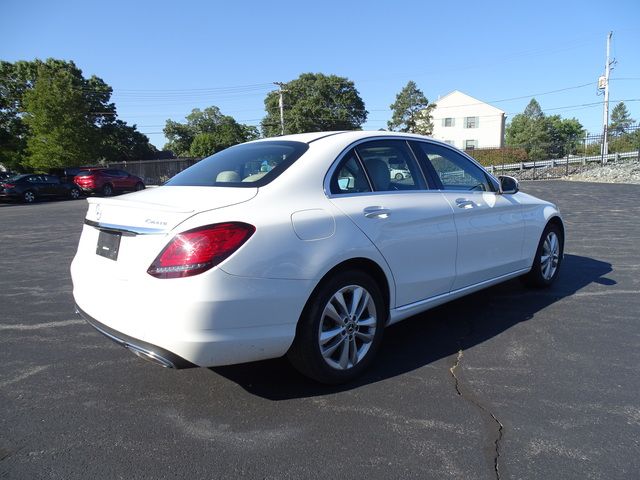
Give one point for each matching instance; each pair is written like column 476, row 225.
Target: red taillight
column 196, row 251
column 7, row 185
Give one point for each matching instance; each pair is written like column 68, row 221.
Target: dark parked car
column 30, row 187
column 107, row 181
column 5, row 175
column 67, row 174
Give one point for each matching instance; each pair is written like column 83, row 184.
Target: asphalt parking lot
column 507, row 383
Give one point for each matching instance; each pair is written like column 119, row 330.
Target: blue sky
column 165, row 58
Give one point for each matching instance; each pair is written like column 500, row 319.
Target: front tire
column 28, row 197
column 107, row 190
column 546, row 264
column 139, row 186
column 340, row 329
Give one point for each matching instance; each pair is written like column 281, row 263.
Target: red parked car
column 107, row 181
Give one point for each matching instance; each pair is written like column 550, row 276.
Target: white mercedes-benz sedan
column 304, row 245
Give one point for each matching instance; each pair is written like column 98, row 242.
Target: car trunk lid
column 161, row 209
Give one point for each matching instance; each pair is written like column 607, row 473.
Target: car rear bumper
column 207, row 320
column 10, row 196
column 142, row 349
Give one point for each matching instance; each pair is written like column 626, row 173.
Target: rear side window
column 245, row 165
column 50, row 179
column 349, row 176
column 390, row 166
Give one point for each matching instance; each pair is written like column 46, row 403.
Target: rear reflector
column 195, row 251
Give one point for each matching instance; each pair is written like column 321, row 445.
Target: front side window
column 245, row 165
column 454, row 171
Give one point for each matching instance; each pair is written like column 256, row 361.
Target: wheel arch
column 556, row 220
column 365, row 265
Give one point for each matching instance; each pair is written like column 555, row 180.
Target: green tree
column 61, row 132
column 122, row 142
column 206, row 132
column 564, row 135
column 620, row 119
column 543, row 137
column 411, row 112
column 51, row 115
column 528, row 130
column 315, row 102
column 13, row 132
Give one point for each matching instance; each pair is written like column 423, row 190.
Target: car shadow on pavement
column 429, row 336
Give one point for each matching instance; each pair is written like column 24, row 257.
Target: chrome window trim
column 468, row 157
column 327, row 178
column 334, row 165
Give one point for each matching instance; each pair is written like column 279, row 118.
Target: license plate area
column 108, row 244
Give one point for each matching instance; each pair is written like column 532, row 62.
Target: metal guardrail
column 564, row 161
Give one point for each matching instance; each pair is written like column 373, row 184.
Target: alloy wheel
column 347, row 327
column 550, row 256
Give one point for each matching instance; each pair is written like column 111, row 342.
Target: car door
column 112, row 177
column 53, row 186
column 411, row 226
column 490, row 225
column 37, row 184
column 124, row 180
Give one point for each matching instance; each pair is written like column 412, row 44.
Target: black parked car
column 66, row 174
column 30, row 186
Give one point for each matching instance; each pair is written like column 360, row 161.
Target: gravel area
column 621, row 172
column 627, row 172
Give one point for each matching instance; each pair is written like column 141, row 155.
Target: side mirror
column 508, row 185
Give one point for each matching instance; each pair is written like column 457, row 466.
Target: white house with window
column 467, row 123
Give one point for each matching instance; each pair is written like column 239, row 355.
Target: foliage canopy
column 411, row 112
column 51, row 115
column 541, row 136
column 315, row 102
column 206, row 132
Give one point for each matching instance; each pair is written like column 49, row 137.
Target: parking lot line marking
column 38, row 326
column 23, row 376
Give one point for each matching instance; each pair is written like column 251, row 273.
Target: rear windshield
column 246, row 165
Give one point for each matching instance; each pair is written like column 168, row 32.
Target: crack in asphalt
column 496, row 443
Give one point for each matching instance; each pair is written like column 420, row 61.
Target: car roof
column 346, row 135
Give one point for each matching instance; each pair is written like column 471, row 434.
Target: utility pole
column 604, row 83
column 281, row 91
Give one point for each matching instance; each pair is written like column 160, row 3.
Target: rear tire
column 546, row 264
column 340, row 329
column 74, row 194
column 399, row 176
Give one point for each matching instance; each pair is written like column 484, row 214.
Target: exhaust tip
column 149, row 356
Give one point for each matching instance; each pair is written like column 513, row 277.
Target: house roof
column 460, row 99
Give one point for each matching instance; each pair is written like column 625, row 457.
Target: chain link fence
column 155, row 172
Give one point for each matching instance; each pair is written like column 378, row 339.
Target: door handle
column 376, row 212
column 465, row 203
